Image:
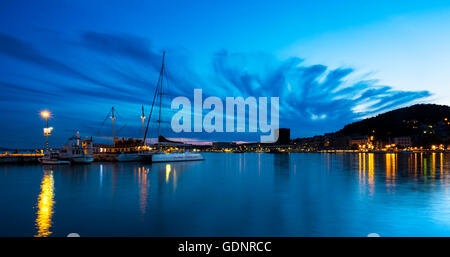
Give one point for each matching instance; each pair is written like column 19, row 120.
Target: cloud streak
column 308, row 92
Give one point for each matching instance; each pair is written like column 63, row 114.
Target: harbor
column 232, row 194
column 83, row 151
column 424, row 128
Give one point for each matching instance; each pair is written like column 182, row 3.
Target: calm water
column 247, row 194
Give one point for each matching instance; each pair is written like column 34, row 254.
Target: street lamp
column 46, row 115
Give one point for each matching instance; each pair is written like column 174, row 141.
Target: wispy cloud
column 310, row 96
column 132, row 47
column 25, row 51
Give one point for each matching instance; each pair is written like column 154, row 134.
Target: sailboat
column 166, row 156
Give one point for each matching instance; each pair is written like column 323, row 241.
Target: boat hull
column 134, row 157
column 106, row 157
column 176, row 157
column 53, row 161
column 83, row 159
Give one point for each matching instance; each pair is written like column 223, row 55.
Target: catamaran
column 174, row 157
column 160, row 155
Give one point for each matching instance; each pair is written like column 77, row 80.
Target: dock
column 20, row 157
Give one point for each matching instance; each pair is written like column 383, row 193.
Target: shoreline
column 33, row 158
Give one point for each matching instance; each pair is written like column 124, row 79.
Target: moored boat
column 176, row 157
column 52, row 158
column 77, row 150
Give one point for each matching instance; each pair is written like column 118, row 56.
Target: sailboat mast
column 160, row 100
column 143, row 123
column 155, row 98
column 114, row 131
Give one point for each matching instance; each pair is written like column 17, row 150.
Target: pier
column 20, row 157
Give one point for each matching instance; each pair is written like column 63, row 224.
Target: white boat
column 176, row 157
column 135, row 157
column 52, row 158
column 77, row 150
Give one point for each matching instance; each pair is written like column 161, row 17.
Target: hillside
column 423, row 122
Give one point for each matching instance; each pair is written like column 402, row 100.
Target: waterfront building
column 403, row 141
column 336, row 141
column 224, row 145
column 359, row 140
column 284, row 136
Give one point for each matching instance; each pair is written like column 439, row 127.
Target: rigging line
column 153, row 103
column 103, row 123
column 121, row 128
column 153, row 124
column 116, row 113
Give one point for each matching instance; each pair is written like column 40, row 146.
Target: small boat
column 52, row 158
column 176, row 157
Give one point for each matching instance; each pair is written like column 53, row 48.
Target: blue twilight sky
column 330, row 62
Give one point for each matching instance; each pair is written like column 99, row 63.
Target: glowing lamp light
column 45, row 114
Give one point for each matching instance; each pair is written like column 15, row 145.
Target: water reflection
column 114, row 178
column 433, row 164
column 415, row 165
column 371, row 170
column 45, row 205
column 391, row 169
column 173, row 199
column 282, row 166
column 101, row 176
column 367, row 168
column 143, row 184
column 168, row 170
column 168, row 173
